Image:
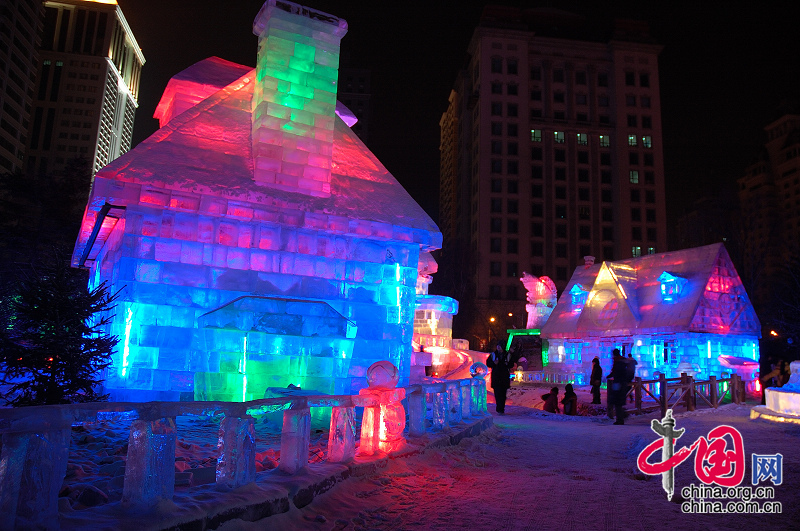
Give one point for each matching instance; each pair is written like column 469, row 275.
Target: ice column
column 236, row 465
column 150, row 469
column 416, row 411
column 466, row 398
column 342, row 438
column 295, row 437
column 453, row 402
column 32, row 469
column 294, row 101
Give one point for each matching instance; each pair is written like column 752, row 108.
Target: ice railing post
column 295, row 436
column 236, row 464
column 32, row 468
column 150, row 465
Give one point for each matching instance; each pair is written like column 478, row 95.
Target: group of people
column 503, row 364
column 622, row 373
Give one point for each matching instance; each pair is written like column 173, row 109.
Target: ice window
column 578, row 295
column 671, row 285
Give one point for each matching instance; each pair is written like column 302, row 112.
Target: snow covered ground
column 533, row 470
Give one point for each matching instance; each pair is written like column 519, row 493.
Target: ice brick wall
column 294, row 101
column 669, row 354
column 178, row 255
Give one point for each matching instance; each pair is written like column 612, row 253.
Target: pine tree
column 52, row 348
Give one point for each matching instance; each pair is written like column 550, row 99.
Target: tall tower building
column 86, row 95
column 550, row 151
column 20, row 37
column 769, row 194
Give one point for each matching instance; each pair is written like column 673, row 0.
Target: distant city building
column 550, row 151
column 769, row 194
column 88, row 83
column 355, row 92
column 20, row 38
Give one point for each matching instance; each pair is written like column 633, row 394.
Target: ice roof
column 625, row 297
column 207, row 150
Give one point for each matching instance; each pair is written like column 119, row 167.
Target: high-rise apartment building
column 20, row 34
column 550, row 151
column 86, row 95
column 769, row 194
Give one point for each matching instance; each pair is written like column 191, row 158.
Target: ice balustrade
column 35, row 440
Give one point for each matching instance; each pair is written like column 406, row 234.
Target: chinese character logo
column 714, row 462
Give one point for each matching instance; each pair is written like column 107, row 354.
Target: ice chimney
column 294, row 101
column 588, row 261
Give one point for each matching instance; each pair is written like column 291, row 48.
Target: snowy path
column 533, row 471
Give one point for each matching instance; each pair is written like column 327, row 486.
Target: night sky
column 725, row 73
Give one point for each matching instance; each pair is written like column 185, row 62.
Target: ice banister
column 294, row 99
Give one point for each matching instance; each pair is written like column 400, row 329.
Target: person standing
column 618, row 386
column 500, row 363
column 596, row 379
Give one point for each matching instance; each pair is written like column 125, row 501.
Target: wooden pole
column 713, row 386
column 662, row 385
column 690, row 398
column 637, row 393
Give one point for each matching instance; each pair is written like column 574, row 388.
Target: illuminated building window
column 636, row 251
column 671, row 286
column 632, row 140
column 604, row 140
column 583, row 139
column 651, row 250
column 634, row 176
column 536, row 135
column 647, row 141
column 558, row 136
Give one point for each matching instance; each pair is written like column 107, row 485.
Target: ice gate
column 255, row 196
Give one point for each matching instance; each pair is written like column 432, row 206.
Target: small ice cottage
column 683, row 311
column 255, row 239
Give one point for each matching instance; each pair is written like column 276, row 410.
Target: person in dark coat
column 596, row 379
column 551, row 401
column 619, row 386
column 570, row 401
column 500, row 363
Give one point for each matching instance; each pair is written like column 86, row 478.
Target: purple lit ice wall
column 256, row 241
column 678, row 312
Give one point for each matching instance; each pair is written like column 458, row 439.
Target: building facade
column 20, row 38
column 87, row 89
column 769, row 194
column 551, row 151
